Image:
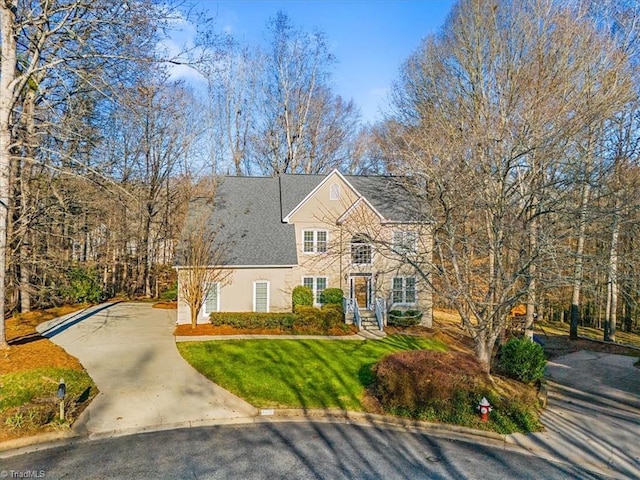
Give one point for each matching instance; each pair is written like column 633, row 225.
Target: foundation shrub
column 409, row 318
column 301, row 296
column 255, row 320
column 306, row 320
column 332, row 296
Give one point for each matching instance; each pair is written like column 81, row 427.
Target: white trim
column 334, row 191
column 315, row 231
column 314, row 288
column 287, row 218
column 363, row 243
column 404, row 291
column 203, row 310
column 344, row 216
column 255, row 282
column 370, row 287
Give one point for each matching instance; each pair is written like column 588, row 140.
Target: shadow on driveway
column 60, row 325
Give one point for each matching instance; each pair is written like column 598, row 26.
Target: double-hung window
column 261, row 296
column 404, row 290
column 314, row 241
column 211, row 299
column 317, row 286
column 405, row 242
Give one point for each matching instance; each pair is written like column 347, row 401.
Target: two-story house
column 363, row 234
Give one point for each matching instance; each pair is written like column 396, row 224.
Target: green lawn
column 297, row 373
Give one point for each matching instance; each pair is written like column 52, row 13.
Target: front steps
column 369, row 325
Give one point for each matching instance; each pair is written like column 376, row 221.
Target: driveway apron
column 593, row 414
column 144, row 384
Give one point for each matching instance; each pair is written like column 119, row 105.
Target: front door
column 360, row 290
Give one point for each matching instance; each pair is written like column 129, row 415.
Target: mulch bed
column 29, row 350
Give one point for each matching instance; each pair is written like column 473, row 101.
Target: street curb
column 374, row 419
column 47, row 439
column 40, row 442
column 602, row 342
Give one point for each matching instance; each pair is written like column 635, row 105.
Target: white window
column 314, row 241
column 405, row 242
column 360, row 250
column 261, row 296
column 317, row 286
column 404, row 290
column 212, row 299
column 334, row 192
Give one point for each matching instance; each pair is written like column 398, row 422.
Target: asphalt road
column 284, row 450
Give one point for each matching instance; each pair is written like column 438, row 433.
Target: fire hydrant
column 484, row 407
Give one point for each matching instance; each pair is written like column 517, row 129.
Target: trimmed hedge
column 306, row 319
column 409, row 318
column 253, row 320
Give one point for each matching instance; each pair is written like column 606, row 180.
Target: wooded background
column 519, row 120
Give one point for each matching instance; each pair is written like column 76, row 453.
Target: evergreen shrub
column 522, row 359
column 301, row 296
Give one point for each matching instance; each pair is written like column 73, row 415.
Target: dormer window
column 334, row 191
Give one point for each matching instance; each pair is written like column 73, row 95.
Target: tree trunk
column 483, row 347
column 577, row 272
column 612, row 284
column 531, row 289
column 7, row 79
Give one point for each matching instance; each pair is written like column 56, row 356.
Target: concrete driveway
column 130, row 352
column 593, row 414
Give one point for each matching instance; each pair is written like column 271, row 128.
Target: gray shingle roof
column 248, row 213
column 247, row 209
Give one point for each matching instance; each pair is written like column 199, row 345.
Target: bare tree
column 488, row 110
column 296, row 67
column 48, row 49
column 201, row 256
column 233, row 85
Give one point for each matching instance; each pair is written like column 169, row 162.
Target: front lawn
column 297, row 373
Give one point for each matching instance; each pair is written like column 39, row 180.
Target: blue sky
column 370, row 39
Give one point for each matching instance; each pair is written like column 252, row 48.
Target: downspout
column 340, row 261
column 280, row 196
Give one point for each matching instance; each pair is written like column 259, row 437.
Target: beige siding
column 237, row 296
column 321, row 213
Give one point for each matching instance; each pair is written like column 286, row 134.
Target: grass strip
column 297, row 373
